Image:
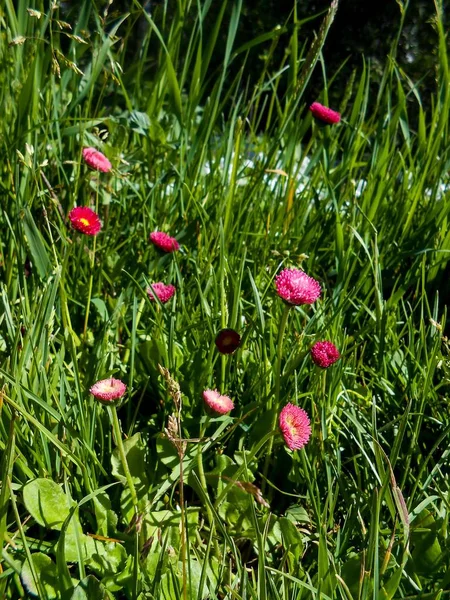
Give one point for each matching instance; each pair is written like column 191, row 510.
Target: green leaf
column 90, row 588
column 38, row 251
column 135, row 452
column 46, row 572
column 46, row 502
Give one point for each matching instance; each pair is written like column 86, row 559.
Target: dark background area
column 361, row 28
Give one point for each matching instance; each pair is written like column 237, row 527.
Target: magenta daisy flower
column 164, row 242
column 86, row 220
column 324, row 114
column 227, row 341
column 296, row 287
column 107, row 391
column 218, row 403
column 295, row 426
column 162, row 291
column 96, row 160
column 324, row 354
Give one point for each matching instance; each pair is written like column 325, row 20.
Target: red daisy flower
column 217, row 403
column 296, row 287
column 164, row 242
column 107, row 391
column 96, row 160
column 324, row 114
column 295, row 426
column 162, row 291
column 324, row 354
column 227, row 341
column 86, row 220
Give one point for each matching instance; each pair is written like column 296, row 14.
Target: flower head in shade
column 162, row 291
column 324, row 354
column 108, row 390
column 96, row 160
column 219, row 404
column 295, row 426
column 164, row 242
column 324, row 114
column 227, row 341
column 296, row 287
column 84, row 219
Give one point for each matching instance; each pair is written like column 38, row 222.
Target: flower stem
column 201, row 476
column 123, row 457
column 276, row 404
column 91, row 281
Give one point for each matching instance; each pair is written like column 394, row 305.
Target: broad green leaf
column 37, row 247
column 46, row 571
column 90, row 588
column 46, row 502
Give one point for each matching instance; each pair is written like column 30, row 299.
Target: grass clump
column 182, row 486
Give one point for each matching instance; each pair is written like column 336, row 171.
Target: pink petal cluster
column 295, row 426
column 162, row 291
column 296, row 287
column 86, row 220
column 108, row 390
column 96, row 160
column 324, row 114
column 324, row 354
column 164, row 242
column 218, row 403
column 227, row 341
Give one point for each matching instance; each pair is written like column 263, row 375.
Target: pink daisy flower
column 324, row 354
column 295, row 426
column 162, row 291
column 227, row 341
column 296, row 287
column 164, row 242
column 96, row 160
column 86, row 220
column 324, row 114
column 108, row 390
column 219, row 404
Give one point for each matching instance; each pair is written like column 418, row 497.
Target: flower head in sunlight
column 296, row 287
column 324, row 354
column 162, row 291
column 217, row 403
column 227, row 341
column 164, row 242
column 108, row 390
column 324, row 114
column 295, row 426
column 86, row 220
column 96, row 160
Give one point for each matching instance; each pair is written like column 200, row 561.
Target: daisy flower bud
column 162, row 291
column 227, row 341
column 96, row 160
column 164, row 242
column 324, row 114
column 217, row 403
column 324, row 354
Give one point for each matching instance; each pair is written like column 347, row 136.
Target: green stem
column 276, row 405
column 123, row 457
column 306, row 474
column 91, row 281
column 201, row 475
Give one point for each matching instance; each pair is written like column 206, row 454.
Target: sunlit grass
column 248, row 183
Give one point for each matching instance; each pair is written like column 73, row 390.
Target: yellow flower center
column 84, row 221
